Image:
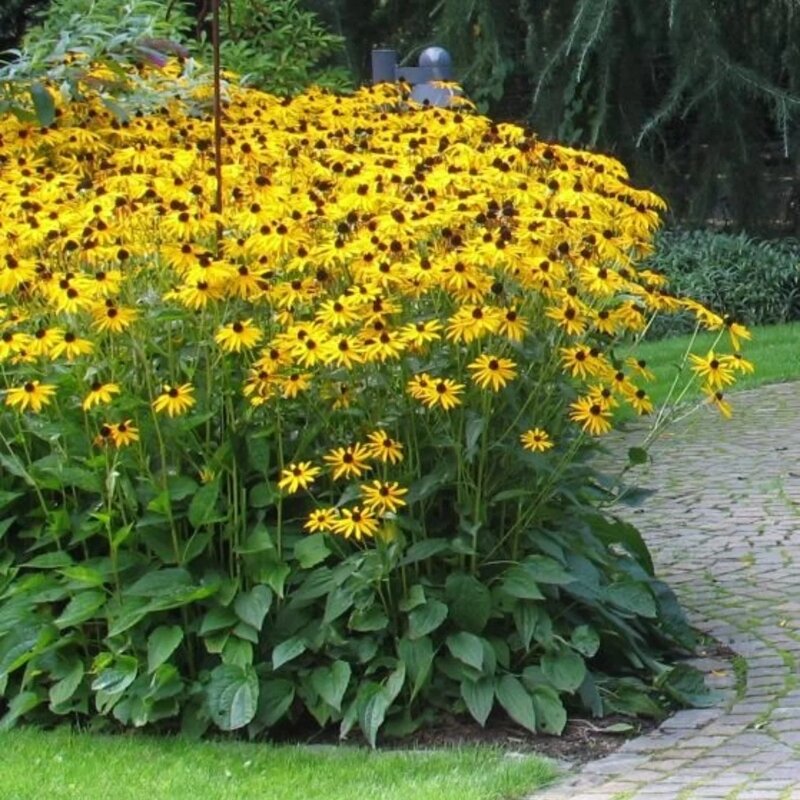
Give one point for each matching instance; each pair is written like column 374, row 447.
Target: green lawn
column 61, row 765
column 774, row 350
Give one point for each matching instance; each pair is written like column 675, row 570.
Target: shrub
column 322, row 452
column 755, row 281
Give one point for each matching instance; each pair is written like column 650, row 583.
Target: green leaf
column 337, row 602
column 330, row 683
column 56, row 560
column 585, row 640
column 277, row 696
column 125, row 616
column 311, row 550
column 469, row 601
column 565, row 670
column 478, row 697
column 162, row 582
column 238, row 652
column 511, row 694
column 467, row 648
column 417, row 655
column 530, row 618
column 257, row 541
column 161, row 644
column 274, row 573
column 179, row 487
column 424, row 549
column 550, row 712
column 216, row 619
column 18, row 707
column 637, row 455
column 368, row 619
column 372, row 707
column 232, row 696
column 6, row 498
column 687, row 685
column 414, row 598
column 517, row 582
column 251, row 607
column 81, row 607
column 22, row 644
column 5, row 524
column 43, row 104
column 426, row 618
column 63, row 690
column 287, row 650
column 116, row 678
column 546, row 570
column 634, row 597
column 202, row 509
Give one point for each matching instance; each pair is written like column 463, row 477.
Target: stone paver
column 724, row 529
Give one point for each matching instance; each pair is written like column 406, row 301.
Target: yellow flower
column 382, row 497
column 492, row 372
column 321, row 519
column 381, row 446
column 123, row 433
column 356, row 522
column 536, row 440
column 174, row 400
column 100, row 393
column 593, row 416
column 348, row 462
column 299, row 475
column 31, row 395
column 718, row 371
column 70, row 346
column 238, row 336
column 717, row 399
column 443, row 392
column 111, row 318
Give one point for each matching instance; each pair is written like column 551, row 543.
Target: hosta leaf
column 417, row 655
column 467, row 648
column 469, row 601
column 479, row 697
column 551, row 716
column 516, row 701
column 565, row 670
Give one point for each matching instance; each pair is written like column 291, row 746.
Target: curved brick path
column 724, row 528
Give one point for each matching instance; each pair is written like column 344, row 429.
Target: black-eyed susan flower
column 592, row 415
column 717, row 370
column 175, row 400
column 348, row 462
column 443, row 392
column 12, row 343
column 419, row 386
column 356, row 522
column 640, row 402
column 321, row 520
column 492, row 372
column 536, row 440
column 123, row 433
column 31, row 395
column 238, row 336
column 99, row 394
column 296, row 476
column 513, row 325
column 741, row 364
column 382, row 496
column 43, row 340
column 719, row 401
column 110, row 318
column 71, row 346
column 383, row 447
column 639, row 365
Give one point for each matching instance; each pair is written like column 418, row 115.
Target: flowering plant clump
column 320, row 450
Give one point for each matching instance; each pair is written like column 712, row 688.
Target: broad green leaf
column 368, row 619
column 5, row 524
column 238, row 652
column 514, row 698
column 251, row 607
column 372, row 707
column 337, row 602
column 257, row 541
column 6, row 498
column 551, row 715
column 116, row 678
column 43, row 104
column 637, row 455
column 160, row 582
column 202, row 509
column 216, row 619
column 517, row 582
column 22, row 644
column 56, row 560
column 179, row 487
column 546, row 570
column 585, row 640
column 479, row 697
column 277, row 695
column 311, row 550
column 81, row 607
column 687, row 685
column 63, row 690
column 426, row 618
column 130, row 613
column 417, row 655
column 20, row 705
column 565, row 670
column 530, row 619
column 469, row 601
column 273, row 572
column 330, row 683
column 467, row 648
column 634, row 597
column 414, row 598
column 287, row 650
column 424, row 549
column 232, row 695
column 161, row 644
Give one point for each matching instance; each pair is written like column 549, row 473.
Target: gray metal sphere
column 435, row 57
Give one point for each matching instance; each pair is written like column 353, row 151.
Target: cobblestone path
column 724, row 529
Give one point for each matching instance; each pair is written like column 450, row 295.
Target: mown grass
column 774, row 350
column 61, row 765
